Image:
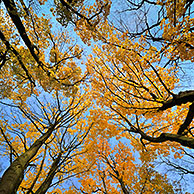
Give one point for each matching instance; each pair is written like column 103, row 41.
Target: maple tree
column 109, row 132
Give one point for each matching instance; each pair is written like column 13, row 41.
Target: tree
column 108, row 133
column 37, row 134
column 45, row 136
column 135, row 76
column 133, row 82
column 25, row 41
column 116, row 171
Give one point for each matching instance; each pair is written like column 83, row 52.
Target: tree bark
column 47, row 182
column 180, row 98
column 185, row 141
column 12, row 10
column 14, row 175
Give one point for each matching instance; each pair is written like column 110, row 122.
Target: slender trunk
column 14, row 175
column 47, row 182
column 123, row 187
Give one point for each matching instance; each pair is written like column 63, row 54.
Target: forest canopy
column 96, row 96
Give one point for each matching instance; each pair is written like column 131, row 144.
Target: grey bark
column 14, row 175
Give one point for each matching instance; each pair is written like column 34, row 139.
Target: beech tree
column 104, row 129
column 44, row 136
column 116, row 171
column 135, row 76
column 40, row 139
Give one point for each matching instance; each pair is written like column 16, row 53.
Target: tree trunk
column 47, row 182
column 14, row 175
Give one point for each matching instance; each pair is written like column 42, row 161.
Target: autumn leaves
column 106, row 126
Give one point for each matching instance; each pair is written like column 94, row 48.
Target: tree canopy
column 96, row 96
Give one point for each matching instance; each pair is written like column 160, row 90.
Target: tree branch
column 184, row 141
column 180, row 98
column 187, row 121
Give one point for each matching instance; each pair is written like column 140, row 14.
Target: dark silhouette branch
column 19, row 58
column 187, row 121
column 179, row 99
column 12, row 10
